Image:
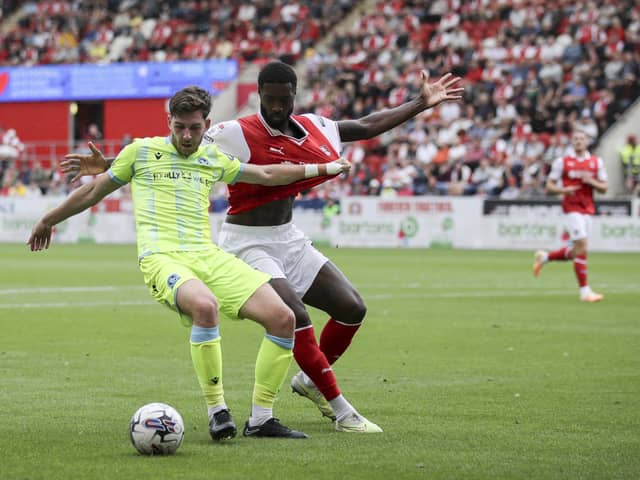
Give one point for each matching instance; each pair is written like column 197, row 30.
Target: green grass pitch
column 474, row 369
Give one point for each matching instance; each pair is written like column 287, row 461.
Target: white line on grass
column 126, row 303
column 508, row 289
column 476, row 294
column 103, row 288
column 142, row 303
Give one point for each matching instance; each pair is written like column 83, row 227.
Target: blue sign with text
column 109, row 81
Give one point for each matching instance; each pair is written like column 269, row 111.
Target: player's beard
column 183, row 149
column 278, row 123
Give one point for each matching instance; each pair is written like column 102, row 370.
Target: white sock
column 341, row 407
column 586, row 290
column 259, row 415
column 215, row 409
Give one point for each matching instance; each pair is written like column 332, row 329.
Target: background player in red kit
column 259, row 230
column 576, row 176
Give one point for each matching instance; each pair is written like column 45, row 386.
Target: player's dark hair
column 189, row 100
column 277, row 72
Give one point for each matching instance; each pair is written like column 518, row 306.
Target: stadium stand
column 530, row 73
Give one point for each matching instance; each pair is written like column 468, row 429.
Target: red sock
column 580, row 267
column 562, row 254
column 313, row 362
column 336, row 338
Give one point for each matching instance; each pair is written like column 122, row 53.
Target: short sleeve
column 229, row 138
column 122, row 168
column 556, row 169
column 602, row 173
column 329, row 128
column 230, row 166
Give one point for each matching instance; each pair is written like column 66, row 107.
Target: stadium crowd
column 96, row 31
column 530, row 73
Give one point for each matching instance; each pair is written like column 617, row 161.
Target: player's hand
column 40, row 237
column 440, row 91
column 336, row 167
column 587, row 178
column 570, row 189
column 84, row 164
column 345, row 165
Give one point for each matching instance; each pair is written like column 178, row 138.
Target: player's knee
column 204, row 311
column 301, row 316
column 284, row 321
column 579, row 250
column 355, row 311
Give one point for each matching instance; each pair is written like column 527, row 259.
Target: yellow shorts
column 231, row 280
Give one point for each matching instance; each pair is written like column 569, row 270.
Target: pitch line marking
column 133, row 303
column 144, row 303
column 100, row 288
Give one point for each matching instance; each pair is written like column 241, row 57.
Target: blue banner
column 109, row 81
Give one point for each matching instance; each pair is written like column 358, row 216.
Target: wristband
column 333, row 168
column 310, row 170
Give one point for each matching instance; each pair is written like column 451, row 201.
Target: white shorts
column 578, row 225
column 282, row 251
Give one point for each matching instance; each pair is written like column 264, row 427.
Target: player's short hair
column 579, row 129
column 277, row 72
column 189, row 100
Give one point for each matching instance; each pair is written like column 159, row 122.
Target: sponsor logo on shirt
column 278, row 150
column 182, row 175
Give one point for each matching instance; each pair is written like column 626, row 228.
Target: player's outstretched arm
column 283, row 174
column 80, row 199
column 431, row 94
column 83, row 164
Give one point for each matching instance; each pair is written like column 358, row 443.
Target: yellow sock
column 272, row 366
column 207, row 361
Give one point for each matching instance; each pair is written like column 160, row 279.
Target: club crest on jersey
column 278, row 150
column 203, row 161
column 325, row 150
column 172, row 280
column 157, row 155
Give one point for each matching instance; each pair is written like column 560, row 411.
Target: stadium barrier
column 409, row 222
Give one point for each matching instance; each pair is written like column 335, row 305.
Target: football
column 156, row 429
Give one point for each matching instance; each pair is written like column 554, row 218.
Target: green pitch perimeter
column 474, row 370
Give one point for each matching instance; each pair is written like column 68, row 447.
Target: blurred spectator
column 487, row 179
column 126, row 140
column 330, row 209
column 40, row 177
column 93, row 133
column 511, row 191
column 454, row 179
column 532, row 177
column 630, row 158
column 10, row 145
